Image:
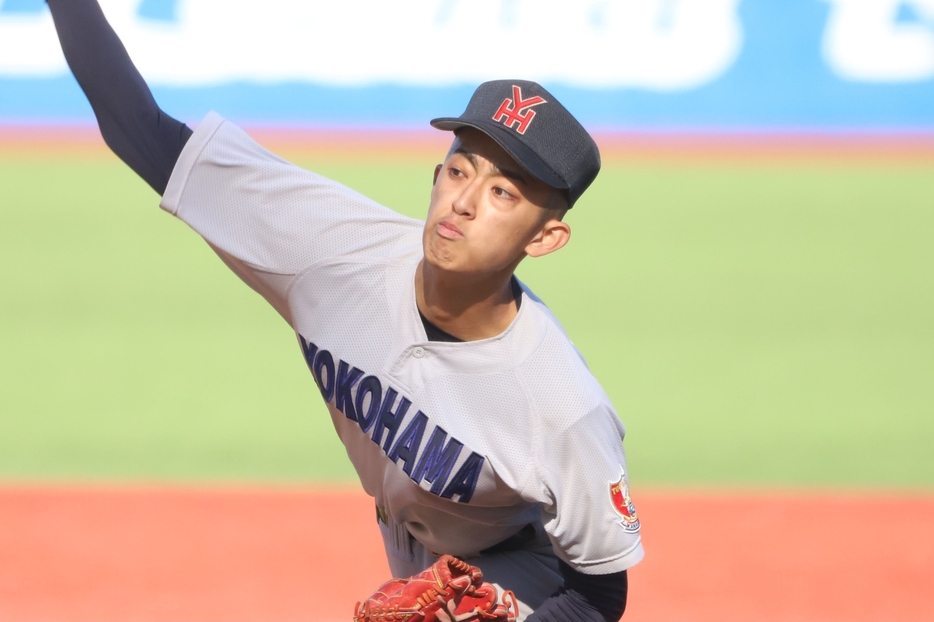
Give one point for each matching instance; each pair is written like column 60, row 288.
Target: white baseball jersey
column 462, row 443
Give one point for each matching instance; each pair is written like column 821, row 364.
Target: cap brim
column 505, row 138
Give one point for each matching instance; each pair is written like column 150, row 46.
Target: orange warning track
column 108, row 555
column 280, row 555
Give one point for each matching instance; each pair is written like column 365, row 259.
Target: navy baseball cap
column 536, row 130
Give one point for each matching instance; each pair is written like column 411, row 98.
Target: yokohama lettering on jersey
column 362, row 399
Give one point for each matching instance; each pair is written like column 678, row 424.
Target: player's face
column 486, row 212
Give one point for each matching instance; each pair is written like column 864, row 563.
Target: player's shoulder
column 554, row 351
column 558, row 380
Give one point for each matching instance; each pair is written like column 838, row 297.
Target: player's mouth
column 449, row 231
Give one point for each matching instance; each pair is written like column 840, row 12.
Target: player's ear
column 553, row 235
column 437, row 172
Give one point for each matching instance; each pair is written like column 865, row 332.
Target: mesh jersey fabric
column 462, row 443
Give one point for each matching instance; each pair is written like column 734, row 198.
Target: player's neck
column 470, row 307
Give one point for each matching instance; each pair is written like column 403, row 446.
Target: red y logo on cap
column 510, row 111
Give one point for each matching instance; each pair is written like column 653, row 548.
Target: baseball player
column 467, row 413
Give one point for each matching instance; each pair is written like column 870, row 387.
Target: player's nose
column 465, row 203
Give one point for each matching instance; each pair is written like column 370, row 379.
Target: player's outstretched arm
column 132, row 125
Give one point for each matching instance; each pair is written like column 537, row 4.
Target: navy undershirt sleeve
column 132, row 125
column 585, row 598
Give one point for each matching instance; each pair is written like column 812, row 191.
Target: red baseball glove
column 451, row 590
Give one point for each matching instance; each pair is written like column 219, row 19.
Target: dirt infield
column 174, row 555
column 381, row 144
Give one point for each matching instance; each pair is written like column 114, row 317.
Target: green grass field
column 756, row 324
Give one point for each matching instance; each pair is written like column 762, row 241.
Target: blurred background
column 751, row 277
column 752, row 280
column 658, row 65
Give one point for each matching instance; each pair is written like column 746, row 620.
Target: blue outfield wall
column 811, row 65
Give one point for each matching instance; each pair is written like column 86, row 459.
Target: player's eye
column 503, row 193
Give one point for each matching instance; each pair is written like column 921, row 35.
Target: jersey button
column 418, row 353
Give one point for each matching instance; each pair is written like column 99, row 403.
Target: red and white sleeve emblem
column 622, row 503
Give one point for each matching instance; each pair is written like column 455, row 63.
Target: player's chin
column 444, row 263
column 443, row 254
